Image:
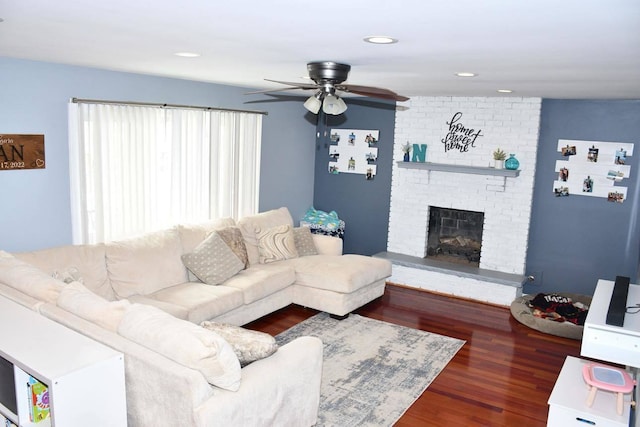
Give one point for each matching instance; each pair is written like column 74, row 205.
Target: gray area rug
column 373, row 370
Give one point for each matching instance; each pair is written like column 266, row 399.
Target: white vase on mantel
column 499, row 164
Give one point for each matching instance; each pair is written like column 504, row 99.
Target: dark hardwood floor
column 502, row 376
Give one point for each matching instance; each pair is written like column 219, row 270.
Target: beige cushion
column 276, row 244
column 344, row 274
column 262, row 280
column 77, row 299
column 184, row 342
column 304, row 241
column 251, row 225
column 145, row 264
column 84, row 263
column 21, row 298
column 327, row 245
column 248, row 345
column 191, row 235
column 213, row 261
column 28, row 279
column 173, row 309
column 201, row 301
column 232, row 236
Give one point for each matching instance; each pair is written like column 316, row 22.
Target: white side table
column 568, row 401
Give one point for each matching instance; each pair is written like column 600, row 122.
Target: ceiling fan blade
column 374, row 92
column 273, row 90
column 297, row 85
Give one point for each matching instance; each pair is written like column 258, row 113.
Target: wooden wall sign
column 21, row 152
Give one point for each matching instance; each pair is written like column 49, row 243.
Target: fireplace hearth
column 455, row 235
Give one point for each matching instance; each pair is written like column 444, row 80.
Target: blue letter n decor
column 419, row 153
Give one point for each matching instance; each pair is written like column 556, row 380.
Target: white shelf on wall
column 442, row 167
column 476, row 170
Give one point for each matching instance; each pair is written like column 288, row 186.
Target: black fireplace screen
column 455, row 235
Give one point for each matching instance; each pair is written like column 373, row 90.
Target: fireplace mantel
column 478, row 170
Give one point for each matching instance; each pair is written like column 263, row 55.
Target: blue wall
column 362, row 204
column 575, row 240
column 35, row 212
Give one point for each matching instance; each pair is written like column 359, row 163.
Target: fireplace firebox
column 455, row 235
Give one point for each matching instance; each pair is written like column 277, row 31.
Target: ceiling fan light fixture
column 187, row 54
column 314, row 103
column 380, row 40
column 341, row 104
column 333, row 105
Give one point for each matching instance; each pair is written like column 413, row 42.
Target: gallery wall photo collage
column 593, row 168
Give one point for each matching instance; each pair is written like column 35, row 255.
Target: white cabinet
column 611, row 343
column 568, row 401
column 608, row 343
column 85, row 378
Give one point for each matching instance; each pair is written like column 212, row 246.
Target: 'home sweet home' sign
column 21, row 152
column 459, row 137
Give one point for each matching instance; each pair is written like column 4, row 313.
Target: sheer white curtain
column 235, row 155
column 136, row 169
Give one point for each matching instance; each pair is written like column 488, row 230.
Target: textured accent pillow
column 276, row 244
column 183, row 342
column 252, row 224
column 69, row 275
column 248, row 345
column 232, row 236
column 77, row 299
column 212, row 261
column 304, row 241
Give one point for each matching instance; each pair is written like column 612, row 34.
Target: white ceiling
column 543, row 48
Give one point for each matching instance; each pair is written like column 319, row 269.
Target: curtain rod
column 152, row 104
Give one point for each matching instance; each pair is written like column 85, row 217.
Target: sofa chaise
column 119, row 292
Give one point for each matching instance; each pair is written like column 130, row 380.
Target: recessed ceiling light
column 187, row 54
column 505, row 90
column 466, row 74
column 380, row 40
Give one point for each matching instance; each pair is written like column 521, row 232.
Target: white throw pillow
column 77, row 299
column 276, row 244
column 213, row 261
column 183, row 342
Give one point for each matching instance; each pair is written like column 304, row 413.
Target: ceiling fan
column 329, row 77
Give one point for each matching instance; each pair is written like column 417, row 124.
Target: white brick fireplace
column 509, row 123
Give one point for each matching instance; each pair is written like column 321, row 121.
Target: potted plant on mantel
column 406, row 149
column 499, row 156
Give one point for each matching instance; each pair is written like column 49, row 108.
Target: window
column 141, row 168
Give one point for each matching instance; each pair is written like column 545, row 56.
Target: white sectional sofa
column 125, row 276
